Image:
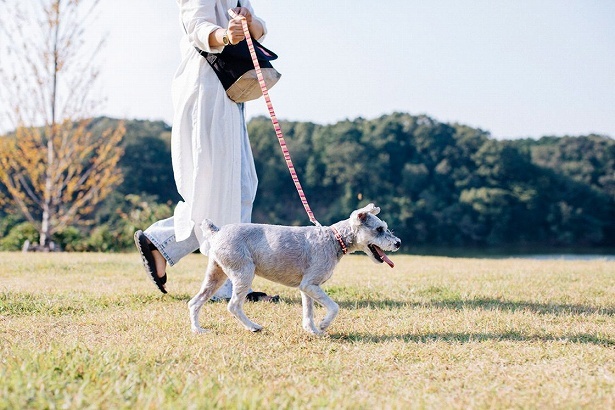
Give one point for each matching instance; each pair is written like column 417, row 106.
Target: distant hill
column 438, row 184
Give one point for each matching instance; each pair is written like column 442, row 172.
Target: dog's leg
column 316, row 293
column 214, row 278
column 242, row 280
column 308, row 314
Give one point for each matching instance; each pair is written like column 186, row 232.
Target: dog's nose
column 398, row 244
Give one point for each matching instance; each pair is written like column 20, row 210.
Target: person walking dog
column 212, row 159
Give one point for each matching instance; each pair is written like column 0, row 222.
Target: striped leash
column 274, row 120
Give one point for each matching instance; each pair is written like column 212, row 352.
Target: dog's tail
column 208, row 228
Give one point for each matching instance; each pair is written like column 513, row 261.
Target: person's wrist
column 226, row 40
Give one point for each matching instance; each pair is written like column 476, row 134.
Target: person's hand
column 243, row 11
column 235, row 29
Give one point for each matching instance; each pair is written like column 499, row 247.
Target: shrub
column 18, row 235
column 103, row 239
column 70, row 239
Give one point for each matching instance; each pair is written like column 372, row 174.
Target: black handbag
column 236, row 72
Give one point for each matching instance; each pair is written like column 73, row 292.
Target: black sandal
column 262, row 297
column 145, row 248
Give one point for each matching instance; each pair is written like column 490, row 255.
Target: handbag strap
column 274, row 120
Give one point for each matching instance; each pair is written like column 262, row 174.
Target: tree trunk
column 47, row 210
column 45, row 225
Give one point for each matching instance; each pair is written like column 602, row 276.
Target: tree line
column 438, row 184
column 444, row 184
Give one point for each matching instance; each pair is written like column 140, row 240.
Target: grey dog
column 302, row 257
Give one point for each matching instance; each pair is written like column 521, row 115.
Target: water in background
column 570, row 254
column 569, row 257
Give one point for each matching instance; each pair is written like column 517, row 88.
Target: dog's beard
column 380, row 255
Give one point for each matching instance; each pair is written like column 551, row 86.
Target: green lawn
column 90, row 331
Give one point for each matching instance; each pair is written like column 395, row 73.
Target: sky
column 520, row 68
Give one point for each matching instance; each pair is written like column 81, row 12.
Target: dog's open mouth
column 380, row 255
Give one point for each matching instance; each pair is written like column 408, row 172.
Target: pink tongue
column 384, row 257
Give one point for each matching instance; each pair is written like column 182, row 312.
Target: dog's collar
column 337, row 235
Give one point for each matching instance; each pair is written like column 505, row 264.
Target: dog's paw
column 199, row 330
column 313, row 331
column 255, row 328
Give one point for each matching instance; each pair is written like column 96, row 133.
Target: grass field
column 89, row 331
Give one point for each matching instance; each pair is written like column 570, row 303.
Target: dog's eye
column 380, row 229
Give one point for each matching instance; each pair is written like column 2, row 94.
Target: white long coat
column 212, row 159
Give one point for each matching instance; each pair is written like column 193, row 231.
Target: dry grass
column 89, row 331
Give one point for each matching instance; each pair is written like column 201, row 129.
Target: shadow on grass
column 182, row 297
column 457, row 304
column 481, row 303
column 472, row 337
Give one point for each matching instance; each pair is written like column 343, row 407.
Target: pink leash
column 274, row 120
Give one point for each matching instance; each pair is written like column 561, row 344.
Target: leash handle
column 274, row 120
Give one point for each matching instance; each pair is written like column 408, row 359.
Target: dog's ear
column 374, row 210
column 360, row 215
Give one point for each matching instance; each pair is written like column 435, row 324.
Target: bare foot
column 161, row 262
